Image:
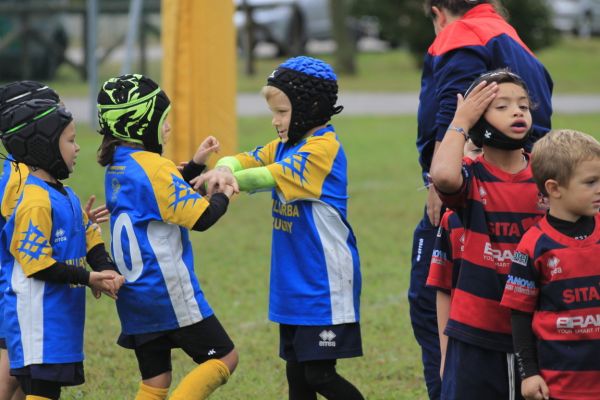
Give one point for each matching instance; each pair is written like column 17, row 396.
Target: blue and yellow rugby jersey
column 11, row 187
column 315, row 267
column 152, row 208
column 44, row 320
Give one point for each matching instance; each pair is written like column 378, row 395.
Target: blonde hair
column 270, row 91
column 556, row 155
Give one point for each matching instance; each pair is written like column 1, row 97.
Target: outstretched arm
column 219, row 177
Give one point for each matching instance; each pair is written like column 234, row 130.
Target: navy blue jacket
column 480, row 41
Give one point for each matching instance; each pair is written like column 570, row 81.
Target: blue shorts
column 320, row 342
column 474, row 373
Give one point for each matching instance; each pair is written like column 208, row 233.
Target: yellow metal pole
column 199, row 74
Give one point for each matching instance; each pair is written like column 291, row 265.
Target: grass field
column 233, row 266
column 388, row 71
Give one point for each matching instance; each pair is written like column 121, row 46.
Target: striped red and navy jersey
column 495, row 208
column 447, row 253
column 557, row 278
column 478, row 42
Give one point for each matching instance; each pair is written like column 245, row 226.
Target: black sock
column 299, row 389
column 322, row 376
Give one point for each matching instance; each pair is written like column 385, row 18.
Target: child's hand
column 102, row 282
column 209, row 145
column 214, row 180
column 117, row 282
column 469, row 110
column 535, row 388
column 99, row 214
column 227, row 190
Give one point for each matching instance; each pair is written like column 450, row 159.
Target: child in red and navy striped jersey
column 553, row 285
column 445, row 262
column 496, row 200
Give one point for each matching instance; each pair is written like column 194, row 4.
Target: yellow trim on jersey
column 302, row 175
column 177, row 202
column 30, row 244
column 260, row 156
column 12, row 191
column 93, row 234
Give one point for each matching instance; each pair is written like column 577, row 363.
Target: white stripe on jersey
column 340, row 269
column 30, row 312
column 165, row 240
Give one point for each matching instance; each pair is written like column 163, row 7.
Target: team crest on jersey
column 182, row 192
column 296, row 164
column 520, row 258
column 116, row 187
column 34, row 243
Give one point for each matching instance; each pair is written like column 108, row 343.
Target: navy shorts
column 201, row 341
column 3, row 343
column 46, row 380
column 474, row 373
column 320, row 342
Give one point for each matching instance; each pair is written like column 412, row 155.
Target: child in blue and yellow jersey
column 11, row 187
column 152, row 206
column 49, row 239
column 315, row 269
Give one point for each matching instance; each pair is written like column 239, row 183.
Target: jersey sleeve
column 522, row 284
column 177, row 202
column 93, row 235
column 456, row 201
column 454, row 73
column 13, row 181
column 260, row 156
column 30, row 243
column 302, row 174
column 441, row 268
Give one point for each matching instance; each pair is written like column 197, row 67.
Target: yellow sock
column 146, row 392
column 202, row 381
column 32, row 397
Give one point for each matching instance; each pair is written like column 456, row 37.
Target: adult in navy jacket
column 471, row 39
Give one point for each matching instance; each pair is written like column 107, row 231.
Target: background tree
column 404, row 22
column 345, row 49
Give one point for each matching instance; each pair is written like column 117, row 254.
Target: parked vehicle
column 289, row 24
column 581, row 17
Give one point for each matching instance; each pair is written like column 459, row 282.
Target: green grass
column 379, row 72
column 233, row 268
column 573, row 64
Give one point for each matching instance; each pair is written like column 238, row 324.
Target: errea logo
column 60, row 235
column 327, row 337
column 487, row 134
column 553, row 266
column 482, row 195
